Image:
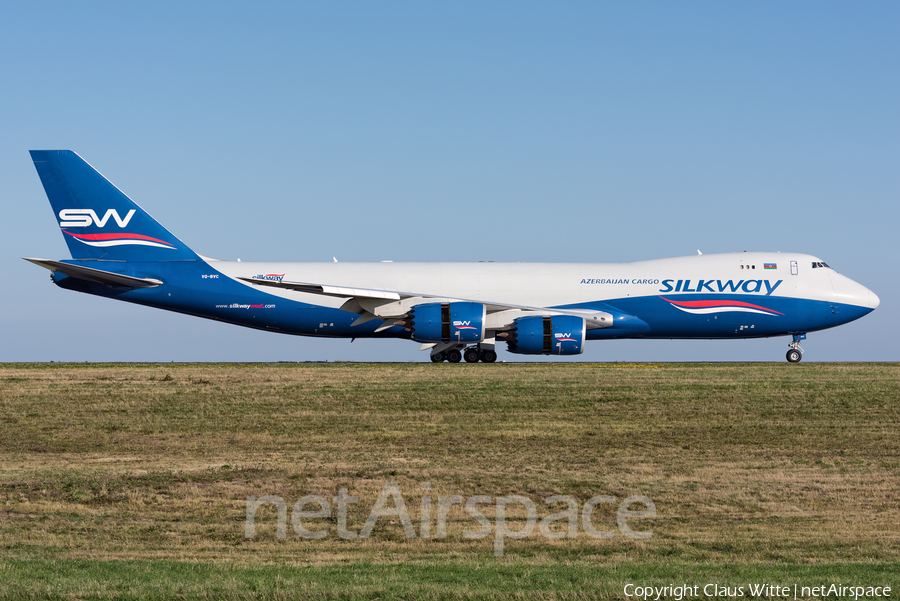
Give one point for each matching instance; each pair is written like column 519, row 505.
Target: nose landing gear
column 795, row 353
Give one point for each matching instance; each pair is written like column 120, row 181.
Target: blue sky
column 589, row 132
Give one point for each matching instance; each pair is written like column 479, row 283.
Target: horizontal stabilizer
column 98, row 276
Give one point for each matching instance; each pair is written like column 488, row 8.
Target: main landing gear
column 473, row 354
column 452, row 355
column 795, row 353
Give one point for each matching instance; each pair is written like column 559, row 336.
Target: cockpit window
column 820, row 264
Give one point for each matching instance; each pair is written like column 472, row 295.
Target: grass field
column 130, row 481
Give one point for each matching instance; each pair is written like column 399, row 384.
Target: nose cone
column 873, row 300
column 848, row 292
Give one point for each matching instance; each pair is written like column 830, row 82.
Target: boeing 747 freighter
column 455, row 310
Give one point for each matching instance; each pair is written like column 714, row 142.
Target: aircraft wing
column 339, row 291
column 392, row 306
column 98, row 276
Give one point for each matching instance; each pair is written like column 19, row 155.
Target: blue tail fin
column 97, row 220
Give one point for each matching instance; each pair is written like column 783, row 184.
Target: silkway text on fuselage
column 748, row 286
column 764, row 287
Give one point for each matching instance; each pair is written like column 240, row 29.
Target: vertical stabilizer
column 96, row 219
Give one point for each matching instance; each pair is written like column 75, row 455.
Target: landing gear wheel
column 488, row 356
column 794, row 356
column 454, row 356
column 795, row 353
column 471, row 355
column 437, row 358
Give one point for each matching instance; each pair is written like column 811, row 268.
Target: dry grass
column 746, row 463
column 789, row 471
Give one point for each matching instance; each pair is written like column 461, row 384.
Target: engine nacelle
column 556, row 335
column 447, row 322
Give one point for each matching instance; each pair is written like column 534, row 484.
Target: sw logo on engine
column 465, row 325
column 87, row 218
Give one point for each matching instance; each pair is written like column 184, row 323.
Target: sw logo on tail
column 87, row 217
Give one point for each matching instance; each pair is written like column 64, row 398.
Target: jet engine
column 547, row 335
column 446, row 322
